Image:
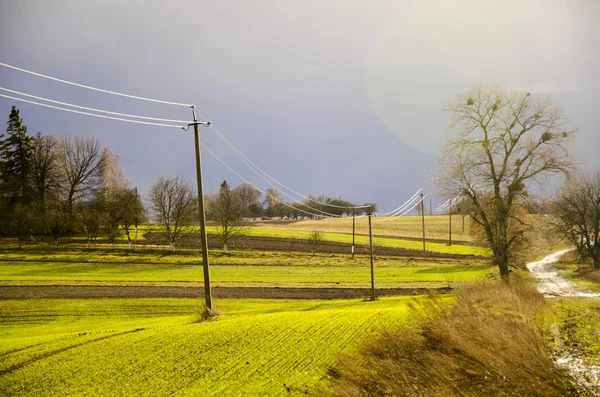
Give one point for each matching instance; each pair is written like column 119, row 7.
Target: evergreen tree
column 16, row 152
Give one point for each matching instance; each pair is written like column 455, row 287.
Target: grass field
column 436, row 226
column 114, row 347
column 242, row 268
column 334, row 230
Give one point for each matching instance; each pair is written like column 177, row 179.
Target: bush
column 489, row 343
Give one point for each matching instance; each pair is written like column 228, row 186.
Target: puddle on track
column 552, row 286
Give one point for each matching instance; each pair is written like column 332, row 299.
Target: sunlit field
column 116, row 347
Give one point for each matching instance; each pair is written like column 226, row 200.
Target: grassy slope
column 240, row 268
column 580, row 274
column 436, row 227
column 340, row 231
column 153, row 347
column 573, row 326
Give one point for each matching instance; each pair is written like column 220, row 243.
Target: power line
column 403, row 210
column 93, row 88
column 91, row 114
column 257, row 170
column 297, row 201
column 403, row 213
column 251, row 184
column 399, row 209
column 92, row 109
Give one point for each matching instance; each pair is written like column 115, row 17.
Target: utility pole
column 136, row 214
column 430, row 207
column 203, row 240
column 353, row 229
column 450, row 226
column 371, row 249
column 423, row 218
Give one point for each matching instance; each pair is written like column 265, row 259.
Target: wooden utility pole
column 423, row 218
column 450, row 226
column 353, row 231
column 430, row 207
column 203, row 240
column 372, row 267
column 136, row 214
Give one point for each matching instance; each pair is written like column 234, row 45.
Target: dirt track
column 83, row 292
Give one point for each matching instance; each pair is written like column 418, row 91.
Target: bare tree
column 228, row 211
column 81, row 164
column 111, row 173
column 89, row 216
column 576, row 211
column 272, row 202
column 249, row 196
column 505, row 141
column 133, row 213
column 314, row 239
column 173, row 202
column 112, row 212
column 46, row 177
column 56, row 220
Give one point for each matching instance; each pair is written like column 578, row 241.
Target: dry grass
column 487, row 344
column 579, row 270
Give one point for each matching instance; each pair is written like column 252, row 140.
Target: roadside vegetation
column 490, row 342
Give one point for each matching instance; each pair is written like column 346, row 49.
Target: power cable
column 401, row 208
column 257, row 170
column 93, row 88
column 91, row 114
column 251, row 184
column 403, row 213
column 92, row 109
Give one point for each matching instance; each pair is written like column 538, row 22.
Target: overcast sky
column 340, row 98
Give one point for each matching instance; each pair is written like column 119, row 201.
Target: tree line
column 59, row 186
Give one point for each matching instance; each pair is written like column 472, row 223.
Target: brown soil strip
column 94, row 292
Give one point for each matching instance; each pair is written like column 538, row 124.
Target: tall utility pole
column 353, row 229
column 136, row 214
column 430, row 207
column 372, row 268
column 450, row 226
column 423, row 218
column 203, row 240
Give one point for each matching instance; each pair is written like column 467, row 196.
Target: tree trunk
column 113, row 245
column 56, row 242
column 597, row 262
column 88, row 242
column 225, row 248
column 501, row 259
column 171, row 246
column 130, row 244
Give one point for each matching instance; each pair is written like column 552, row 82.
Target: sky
column 342, row 98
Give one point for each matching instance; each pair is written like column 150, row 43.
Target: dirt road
column 552, row 285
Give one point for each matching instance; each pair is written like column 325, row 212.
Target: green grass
column 242, row 268
column 436, row 226
column 154, row 347
column 573, row 272
column 336, row 230
column 377, row 241
column 574, row 327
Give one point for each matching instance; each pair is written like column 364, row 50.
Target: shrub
column 489, row 343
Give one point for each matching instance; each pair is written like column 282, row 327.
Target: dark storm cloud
column 321, row 94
